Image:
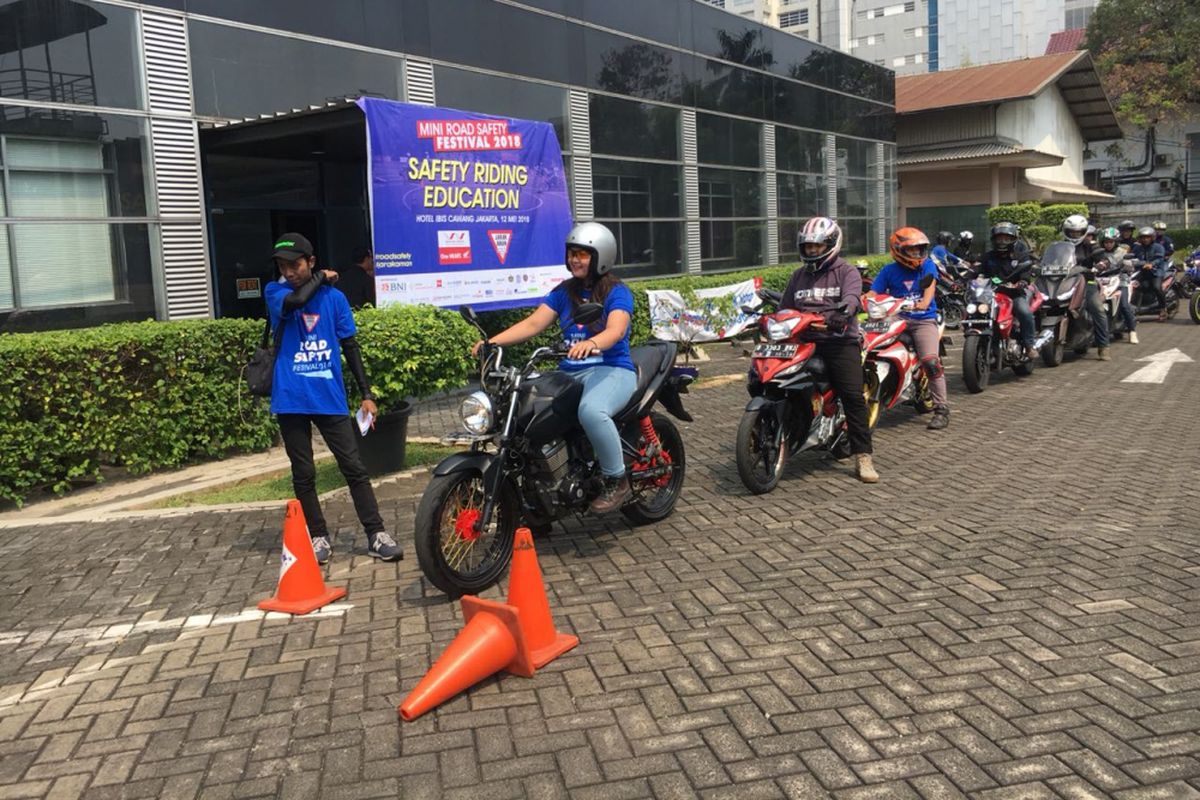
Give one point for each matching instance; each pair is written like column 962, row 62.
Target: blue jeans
column 606, row 390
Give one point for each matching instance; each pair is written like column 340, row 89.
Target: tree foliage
column 1146, row 52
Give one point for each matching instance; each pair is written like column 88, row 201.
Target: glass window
column 730, row 193
column 800, row 195
column 857, row 240
column 50, row 270
column 799, row 151
column 856, row 198
column 625, row 189
column 732, row 90
column 69, row 52
column 626, row 128
column 855, row 158
column 504, row 97
column 501, row 37
column 7, row 300
column 288, row 73
column 619, row 65
column 721, row 140
column 98, row 172
column 647, row 248
column 255, row 182
column 731, row 243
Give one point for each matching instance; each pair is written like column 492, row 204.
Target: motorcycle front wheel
column 871, row 396
column 977, row 367
column 952, row 315
column 1194, row 308
column 1053, row 351
column 654, row 498
column 454, row 556
column 761, row 450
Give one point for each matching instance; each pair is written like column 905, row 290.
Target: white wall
column 986, row 31
column 1045, row 123
column 954, row 187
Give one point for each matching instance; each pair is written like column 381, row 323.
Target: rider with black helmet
column 941, row 254
column 965, row 240
column 599, row 355
column 1010, row 261
column 1128, row 238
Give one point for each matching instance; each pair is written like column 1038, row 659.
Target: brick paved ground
column 1014, row 612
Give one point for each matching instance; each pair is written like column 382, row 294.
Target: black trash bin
column 382, row 449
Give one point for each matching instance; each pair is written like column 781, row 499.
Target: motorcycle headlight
column 971, row 308
column 476, row 413
column 983, row 308
column 778, row 330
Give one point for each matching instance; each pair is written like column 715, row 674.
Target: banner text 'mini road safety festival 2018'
column 465, row 208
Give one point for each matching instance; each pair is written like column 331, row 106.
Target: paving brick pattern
column 1014, row 612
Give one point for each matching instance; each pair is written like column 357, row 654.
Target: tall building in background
column 794, row 16
column 972, row 32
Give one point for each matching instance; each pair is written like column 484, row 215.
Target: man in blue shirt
column 1160, row 236
column 903, row 277
column 314, row 328
column 1152, row 259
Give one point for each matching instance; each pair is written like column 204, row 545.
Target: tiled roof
column 1066, row 41
column 989, row 150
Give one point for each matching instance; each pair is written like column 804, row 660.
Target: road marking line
column 1160, row 364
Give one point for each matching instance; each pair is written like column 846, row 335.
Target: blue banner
column 465, row 208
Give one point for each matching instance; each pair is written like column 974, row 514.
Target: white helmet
column 820, row 230
column 1074, row 228
column 599, row 241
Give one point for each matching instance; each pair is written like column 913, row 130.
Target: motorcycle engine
column 551, row 465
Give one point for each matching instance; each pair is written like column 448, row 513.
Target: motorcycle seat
column 653, row 363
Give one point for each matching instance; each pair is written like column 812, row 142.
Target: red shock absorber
column 648, row 432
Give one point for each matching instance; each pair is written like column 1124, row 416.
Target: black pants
column 338, row 433
column 843, row 364
column 1148, row 280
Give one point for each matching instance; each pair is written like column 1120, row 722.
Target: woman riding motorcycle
column 829, row 286
column 598, row 356
column 902, row 278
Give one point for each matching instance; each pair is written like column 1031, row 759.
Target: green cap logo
column 285, row 244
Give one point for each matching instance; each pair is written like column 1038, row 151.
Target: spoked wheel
column 761, row 450
column 655, row 495
column 976, row 365
column 952, row 315
column 455, row 557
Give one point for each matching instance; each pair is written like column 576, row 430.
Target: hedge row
column 1186, row 241
column 1034, row 213
column 150, row 395
column 153, row 395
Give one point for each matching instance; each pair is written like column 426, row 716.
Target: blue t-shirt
column 308, row 366
column 619, row 299
column 901, row 281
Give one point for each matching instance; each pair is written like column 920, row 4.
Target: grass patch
column 278, row 485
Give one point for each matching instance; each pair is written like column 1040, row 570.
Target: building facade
column 971, row 32
column 701, row 137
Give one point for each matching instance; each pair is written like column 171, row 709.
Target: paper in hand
column 364, row 420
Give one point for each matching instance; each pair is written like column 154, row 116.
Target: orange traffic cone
column 527, row 592
column 492, row 640
column 301, row 588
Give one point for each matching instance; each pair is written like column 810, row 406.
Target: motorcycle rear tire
column 429, row 534
column 663, row 503
column 747, row 448
column 976, row 364
column 1053, row 352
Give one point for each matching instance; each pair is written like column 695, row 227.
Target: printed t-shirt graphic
column 619, row 299
column 901, row 281
column 308, row 366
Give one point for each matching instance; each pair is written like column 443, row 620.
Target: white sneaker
column 1133, row 337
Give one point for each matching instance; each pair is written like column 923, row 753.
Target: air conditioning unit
column 1163, row 159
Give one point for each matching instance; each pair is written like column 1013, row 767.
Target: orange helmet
column 909, row 247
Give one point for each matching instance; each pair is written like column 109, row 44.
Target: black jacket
column 1007, row 266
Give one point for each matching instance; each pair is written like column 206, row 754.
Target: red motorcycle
column 989, row 330
column 792, row 404
column 892, row 371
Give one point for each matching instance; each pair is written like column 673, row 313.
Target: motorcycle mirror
column 587, row 313
column 468, row 314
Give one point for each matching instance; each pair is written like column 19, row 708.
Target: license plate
column 775, row 351
column 876, row 326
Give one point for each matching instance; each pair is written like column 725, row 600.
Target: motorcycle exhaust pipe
column 1043, row 339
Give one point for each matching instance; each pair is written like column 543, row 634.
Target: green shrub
column 1186, row 240
column 149, row 395
column 1023, row 214
column 1054, row 214
column 1038, row 236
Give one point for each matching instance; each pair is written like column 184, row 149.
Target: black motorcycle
column 951, row 292
column 530, row 463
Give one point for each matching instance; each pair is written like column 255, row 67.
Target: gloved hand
column 837, row 322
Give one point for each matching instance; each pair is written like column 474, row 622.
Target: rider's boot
column 940, row 419
column 613, row 494
column 1102, row 354
column 866, row 470
column 1133, row 337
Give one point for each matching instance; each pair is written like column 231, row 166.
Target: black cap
column 292, row 246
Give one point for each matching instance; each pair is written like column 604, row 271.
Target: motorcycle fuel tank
column 547, row 406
